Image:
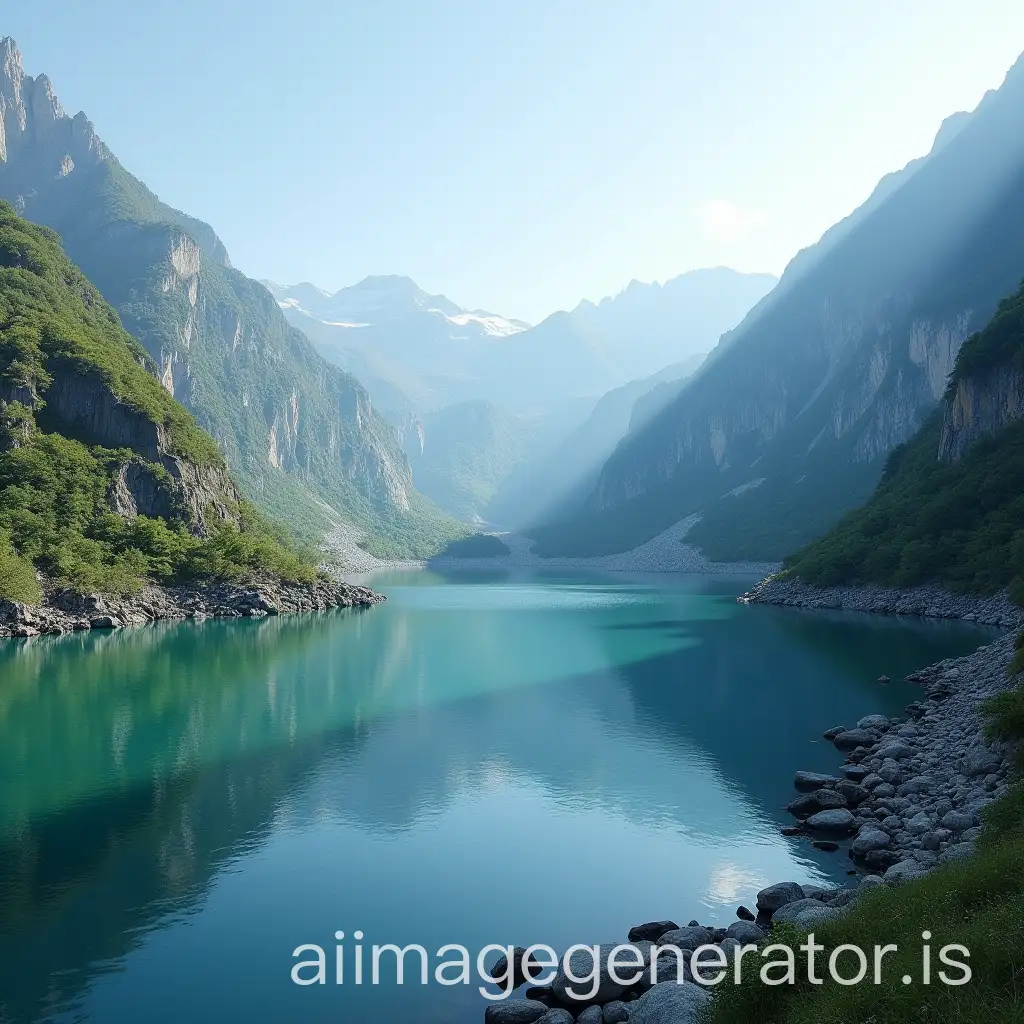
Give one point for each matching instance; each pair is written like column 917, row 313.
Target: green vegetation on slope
column 245, row 368
column 51, row 316
column 959, row 523
column 480, row 545
column 55, row 511
column 468, row 449
column 1001, row 343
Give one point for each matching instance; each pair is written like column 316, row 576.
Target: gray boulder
column 515, row 1011
column 769, row 900
column 791, row 911
column 593, row 1015
column 870, row 838
column 669, row 1003
column 806, row 782
column 878, row 722
column 957, row 821
column 981, row 761
column 896, row 749
column 919, row 824
column 744, row 932
column 614, row 1012
column 820, row 800
column 904, row 871
column 689, row 937
column 838, row 822
column 668, row 968
column 850, row 739
column 805, row 914
column 582, row 965
column 851, row 792
column 651, row 931
column 556, row 1015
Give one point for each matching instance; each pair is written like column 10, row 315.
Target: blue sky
column 516, row 156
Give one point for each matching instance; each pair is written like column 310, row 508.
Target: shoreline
column 667, row 552
column 905, row 799
column 64, row 611
column 928, row 601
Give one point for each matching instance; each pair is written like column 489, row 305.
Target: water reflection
column 425, row 764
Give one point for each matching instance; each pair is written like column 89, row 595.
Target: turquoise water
column 482, row 759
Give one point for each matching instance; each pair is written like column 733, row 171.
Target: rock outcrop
column 840, row 364
column 65, row 611
column 980, row 406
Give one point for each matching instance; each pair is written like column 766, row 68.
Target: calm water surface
column 482, row 759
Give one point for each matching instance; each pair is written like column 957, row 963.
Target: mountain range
column 417, row 353
column 300, row 435
column 788, row 423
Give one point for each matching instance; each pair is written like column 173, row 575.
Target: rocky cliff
column 838, row 366
column 950, row 505
column 300, row 435
column 980, row 407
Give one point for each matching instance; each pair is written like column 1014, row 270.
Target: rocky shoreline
column 928, row 601
column 906, row 800
column 64, row 611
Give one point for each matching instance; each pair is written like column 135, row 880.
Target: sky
column 516, row 157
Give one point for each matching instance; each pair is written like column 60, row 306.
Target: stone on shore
column 651, row 931
column 515, row 1011
column 850, row 739
column 870, row 838
column 806, row 782
column 556, row 1015
column 775, row 896
column 744, row 932
column 811, row 803
column 669, row 1003
column 839, row 822
column 582, row 965
column 615, row 1012
column 689, row 937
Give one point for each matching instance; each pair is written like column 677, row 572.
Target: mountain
column 300, row 435
column 950, row 505
column 415, row 352
column 649, row 326
column 418, row 352
column 556, row 480
column 105, row 480
column 788, row 423
column 466, row 450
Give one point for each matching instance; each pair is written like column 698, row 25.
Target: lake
column 483, row 759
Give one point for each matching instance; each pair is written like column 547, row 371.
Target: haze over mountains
column 788, row 423
column 388, row 410
column 399, row 339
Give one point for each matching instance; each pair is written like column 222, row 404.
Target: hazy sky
column 516, row 156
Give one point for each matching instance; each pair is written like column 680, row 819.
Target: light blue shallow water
column 482, row 759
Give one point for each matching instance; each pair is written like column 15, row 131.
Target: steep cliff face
column 840, row 364
column 299, row 434
column 950, row 505
column 980, row 407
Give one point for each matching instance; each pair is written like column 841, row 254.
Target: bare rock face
column 32, row 122
column 175, row 489
column 980, row 407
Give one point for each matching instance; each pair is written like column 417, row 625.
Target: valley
column 353, row 609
